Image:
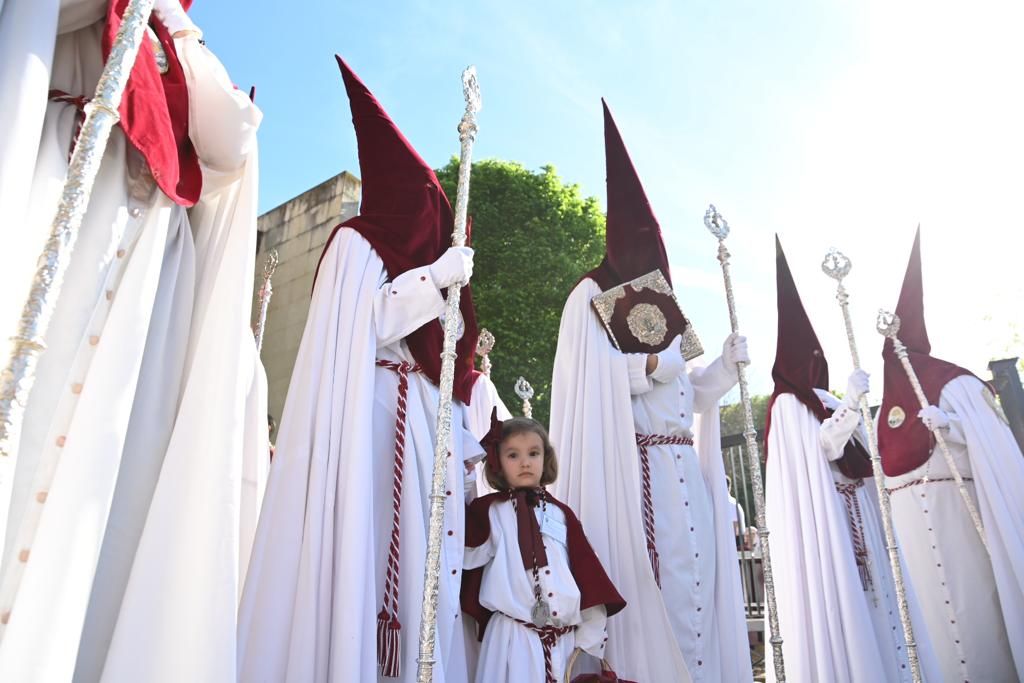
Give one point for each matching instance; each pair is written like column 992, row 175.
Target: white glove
column 934, row 418
column 173, row 16
column 734, row 351
column 455, row 265
column 670, row 361
column 856, row 386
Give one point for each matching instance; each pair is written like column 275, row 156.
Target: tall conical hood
column 407, row 219
column 903, row 440
column 633, row 242
column 800, row 364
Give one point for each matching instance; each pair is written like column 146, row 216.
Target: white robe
column 316, row 580
column 510, row 652
column 974, row 606
column 832, row 628
column 137, row 435
column 600, row 399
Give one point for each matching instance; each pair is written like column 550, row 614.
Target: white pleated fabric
column 832, row 628
column 974, row 605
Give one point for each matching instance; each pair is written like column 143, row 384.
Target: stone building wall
column 298, row 230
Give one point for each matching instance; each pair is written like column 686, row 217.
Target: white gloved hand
column 670, row 361
column 173, row 16
column 934, row 418
column 455, row 265
column 856, row 386
column 734, row 351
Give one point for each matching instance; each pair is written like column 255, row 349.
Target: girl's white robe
column 510, row 652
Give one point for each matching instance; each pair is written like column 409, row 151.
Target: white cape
column 824, row 613
column 998, row 470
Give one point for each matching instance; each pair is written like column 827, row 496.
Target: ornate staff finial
column 266, row 291
column 888, row 325
column 837, row 266
column 484, row 345
column 524, row 390
column 716, row 223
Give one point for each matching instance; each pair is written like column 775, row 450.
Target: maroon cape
column 595, row 586
column 154, row 112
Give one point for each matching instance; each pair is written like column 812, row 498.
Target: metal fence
column 734, row 453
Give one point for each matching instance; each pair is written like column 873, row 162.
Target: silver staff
column 266, row 291
column 837, row 266
column 718, row 226
column 484, row 345
column 888, row 325
column 524, row 390
column 428, row 616
column 28, row 343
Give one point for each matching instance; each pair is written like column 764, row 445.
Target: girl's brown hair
column 524, row 425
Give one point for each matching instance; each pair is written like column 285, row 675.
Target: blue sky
column 832, row 123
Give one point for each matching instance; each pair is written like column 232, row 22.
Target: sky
column 831, row 123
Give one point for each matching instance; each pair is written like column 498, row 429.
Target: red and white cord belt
column 388, row 625
column 549, row 636
column 853, row 514
column 924, row 480
column 643, row 442
column 78, row 102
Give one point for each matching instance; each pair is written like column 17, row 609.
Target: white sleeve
column 836, row 431
column 639, row 381
column 710, row 384
column 592, row 634
column 955, row 432
column 405, row 304
column 222, row 120
column 476, row 557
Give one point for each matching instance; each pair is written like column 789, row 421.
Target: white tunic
column 684, row 514
column 511, row 652
column 833, row 629
column 969, row 623
column 135, row 438
column 316, row 580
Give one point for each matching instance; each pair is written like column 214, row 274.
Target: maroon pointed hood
column 407, row 219
column 800, row 364
column 908, row 445
column 801, row 367
column 633, row 242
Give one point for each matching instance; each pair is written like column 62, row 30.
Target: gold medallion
column 896, row 417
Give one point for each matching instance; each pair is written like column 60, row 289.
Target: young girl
column 532, row 581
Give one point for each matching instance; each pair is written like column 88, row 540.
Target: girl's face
column 522, row 459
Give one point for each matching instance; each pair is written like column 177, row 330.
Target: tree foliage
column 534, row 236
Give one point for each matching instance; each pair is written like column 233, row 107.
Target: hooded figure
column 658, row 515
column 335, row 586
column 144, row 438
column 838, row 610
column 972, row 601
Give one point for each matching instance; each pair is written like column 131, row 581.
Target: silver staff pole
column 524, row 390
column 889, row 326
column 28, row 343
column 266, row 291
column 431, row 578
column 718, row 227
column 484, row 345
column 837, row 266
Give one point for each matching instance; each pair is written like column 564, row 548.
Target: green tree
column 732, row 415
column 534, row 236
